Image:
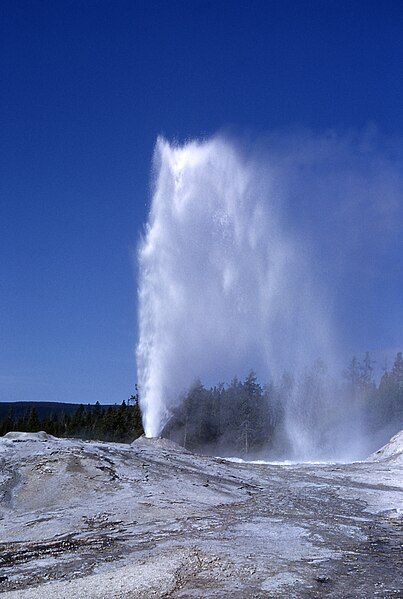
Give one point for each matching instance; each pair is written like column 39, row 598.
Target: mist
column 247, row 262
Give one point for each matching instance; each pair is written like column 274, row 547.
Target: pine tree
column 33, row 424
column 7, row 424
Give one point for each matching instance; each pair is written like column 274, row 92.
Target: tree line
column 250, row 419
column 120, row 423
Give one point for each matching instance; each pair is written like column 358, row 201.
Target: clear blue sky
column 86, row 86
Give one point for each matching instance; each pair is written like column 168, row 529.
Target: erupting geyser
column 223, row 288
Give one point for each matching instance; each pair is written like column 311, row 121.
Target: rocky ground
column 86, row 519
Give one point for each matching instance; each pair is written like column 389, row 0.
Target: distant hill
column 43, row 408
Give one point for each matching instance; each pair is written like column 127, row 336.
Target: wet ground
column 153, row 520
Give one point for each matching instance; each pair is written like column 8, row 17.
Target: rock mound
column 159, row 442
column 391, row 452
column 40, row 436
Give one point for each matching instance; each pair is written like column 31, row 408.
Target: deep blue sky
column 86, row 86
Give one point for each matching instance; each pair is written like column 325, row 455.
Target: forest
column 106, row 423
column 246, row 418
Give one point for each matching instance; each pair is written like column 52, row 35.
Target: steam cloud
column 230, row 279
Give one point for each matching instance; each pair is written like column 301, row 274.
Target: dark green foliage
column 243, row 418
column 106, row 423
column 387, row 400
column 33, row 424
column 232, row 417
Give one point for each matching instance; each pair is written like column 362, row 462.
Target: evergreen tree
column 33, row 424
column 7, row 424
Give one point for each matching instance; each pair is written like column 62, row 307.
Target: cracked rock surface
column 90, row 519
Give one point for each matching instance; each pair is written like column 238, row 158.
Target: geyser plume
column 223, row 287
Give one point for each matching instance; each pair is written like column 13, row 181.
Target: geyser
column 223, row 286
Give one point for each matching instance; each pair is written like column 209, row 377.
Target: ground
column 102, row 520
